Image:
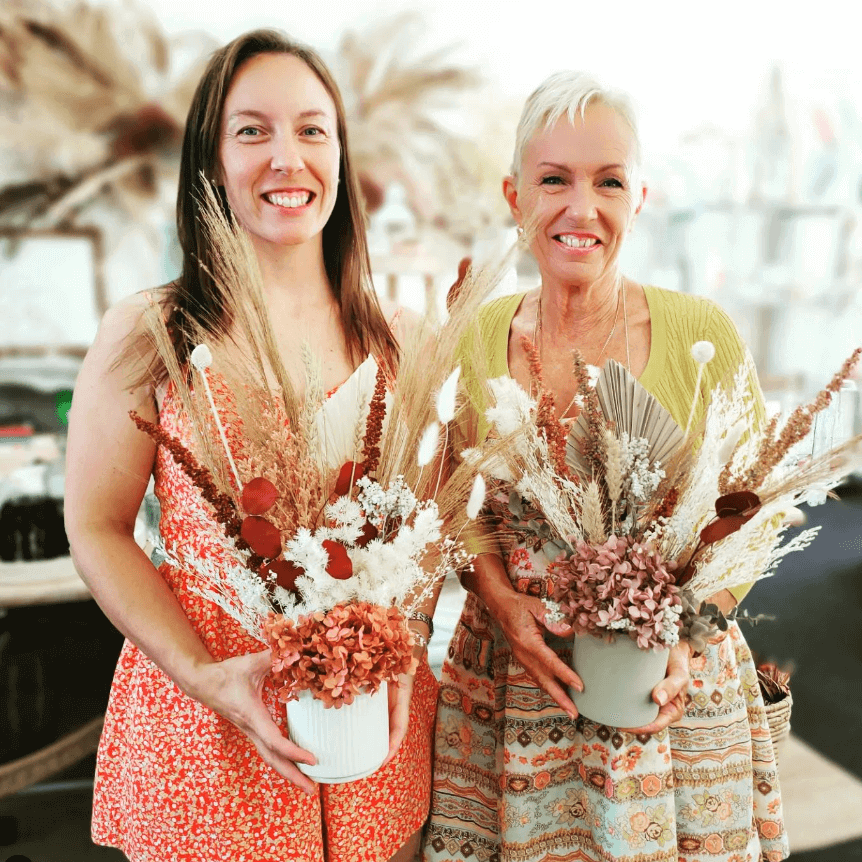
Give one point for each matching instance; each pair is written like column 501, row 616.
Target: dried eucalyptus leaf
column 550, row 550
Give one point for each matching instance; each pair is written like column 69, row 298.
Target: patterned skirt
column 516, row 780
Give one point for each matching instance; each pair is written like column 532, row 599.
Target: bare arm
column 109, row 463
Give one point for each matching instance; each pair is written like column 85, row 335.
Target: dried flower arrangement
column 640, row 522
column 334, row 516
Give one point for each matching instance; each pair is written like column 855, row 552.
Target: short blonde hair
column 568, row 93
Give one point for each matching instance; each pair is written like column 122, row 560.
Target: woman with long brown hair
column 194, row 762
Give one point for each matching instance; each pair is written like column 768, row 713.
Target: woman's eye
column 248, row 132
column 312, row 132
column 612, row 182
column 552, row 181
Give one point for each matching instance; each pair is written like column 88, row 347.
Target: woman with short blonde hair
column 518, row 775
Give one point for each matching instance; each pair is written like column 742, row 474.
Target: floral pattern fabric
column 516, row 780
column 175, row 782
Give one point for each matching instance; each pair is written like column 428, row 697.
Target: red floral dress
column 176, row 781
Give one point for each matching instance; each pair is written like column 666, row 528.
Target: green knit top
column 677, row 321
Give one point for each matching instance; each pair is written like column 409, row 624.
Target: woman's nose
column 286, row 156
column 581, row 200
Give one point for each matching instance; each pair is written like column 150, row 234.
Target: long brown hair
column 345, row 248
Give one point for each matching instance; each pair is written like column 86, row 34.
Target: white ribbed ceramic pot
column 618, row 680
column 349, row 742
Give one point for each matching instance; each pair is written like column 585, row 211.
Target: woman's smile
column 293, row 201
column 578, row 244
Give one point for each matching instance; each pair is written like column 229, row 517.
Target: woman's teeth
column 577, row 242
column 290, row 200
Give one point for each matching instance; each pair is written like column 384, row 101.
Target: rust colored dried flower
column 666, row 508
column 374, row 423
column 772, row 451
column 546, row 411
column 593, row 445
column 225, row 509
column 336, row 655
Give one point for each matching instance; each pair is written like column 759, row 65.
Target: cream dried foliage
column 47, row 43
column 395, row 100
column 591, row 513
column 91, row 106
column 430, row 354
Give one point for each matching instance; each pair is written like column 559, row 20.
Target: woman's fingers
column 668, row 714
column 677, row 677
column 284, row 763
column 560, row 669
column 670, row 693
column 561, row 630
column 561, row 696
column 236, row 685
column 399, row 713
column 523, row 631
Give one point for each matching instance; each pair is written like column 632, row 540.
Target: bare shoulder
column 119, row 354
column 124, row 318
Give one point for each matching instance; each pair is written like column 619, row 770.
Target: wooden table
column 41, row 582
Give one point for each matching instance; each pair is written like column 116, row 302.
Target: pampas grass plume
column 201, row 357
column 702, row 351
column 591, row 513
column 446, row 397
column 477, row 497
column 428, row 444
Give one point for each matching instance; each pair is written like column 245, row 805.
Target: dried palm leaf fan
column 633, row 410
column 88, row 108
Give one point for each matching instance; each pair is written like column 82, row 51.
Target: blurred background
column 751, row 123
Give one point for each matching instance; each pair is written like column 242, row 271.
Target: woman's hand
column 669, row 694
column 233, row 688
column 399, row 712
column 522, row 619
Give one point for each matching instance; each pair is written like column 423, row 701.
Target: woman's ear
column 510, row 192
column 639, row 206
column 644, row 190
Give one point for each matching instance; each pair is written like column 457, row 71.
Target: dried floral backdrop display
column 334, row 515
column 642, row 520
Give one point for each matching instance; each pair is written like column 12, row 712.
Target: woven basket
column 778, row 719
